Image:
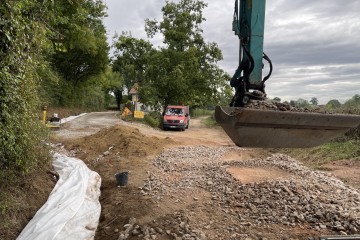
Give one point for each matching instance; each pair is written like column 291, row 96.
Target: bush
column 199, row 112
column 153, row 119
column 21, row 133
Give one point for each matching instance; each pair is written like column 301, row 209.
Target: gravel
column 308, row 197
column 277, row 106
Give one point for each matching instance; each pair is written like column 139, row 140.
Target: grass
column 210, row 121
column 198, row 112
column 333, row 151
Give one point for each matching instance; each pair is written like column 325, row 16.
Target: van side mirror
column 186, row 115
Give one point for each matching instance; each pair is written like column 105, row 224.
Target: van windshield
column 174, row 111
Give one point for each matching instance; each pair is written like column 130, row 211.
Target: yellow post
column 44, row 114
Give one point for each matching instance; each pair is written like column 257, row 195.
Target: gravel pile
column 176, row 225
column 277, row 106
column 306, row 197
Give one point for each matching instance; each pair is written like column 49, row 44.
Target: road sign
column 138, row 114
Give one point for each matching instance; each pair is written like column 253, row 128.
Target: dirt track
column 197, row 185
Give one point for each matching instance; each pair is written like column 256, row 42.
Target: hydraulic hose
column 271, row 67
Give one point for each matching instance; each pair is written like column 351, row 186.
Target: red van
column 176, row 117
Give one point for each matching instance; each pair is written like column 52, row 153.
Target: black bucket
column 121, row 178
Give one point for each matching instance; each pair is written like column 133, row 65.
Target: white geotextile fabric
column 73, row 208
column 64, row 120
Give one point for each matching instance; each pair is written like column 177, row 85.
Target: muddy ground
column 197, row 185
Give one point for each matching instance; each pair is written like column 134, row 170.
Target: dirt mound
column 124, row 141
column 118, row 149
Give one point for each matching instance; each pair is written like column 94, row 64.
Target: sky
column 314, row 45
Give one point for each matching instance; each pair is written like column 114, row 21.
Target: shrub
column 21, row 134
column 154, row 119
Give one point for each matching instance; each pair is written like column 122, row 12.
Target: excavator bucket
column 276, row 129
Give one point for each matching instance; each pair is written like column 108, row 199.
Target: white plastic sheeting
column 68, row 119
column 73, row 209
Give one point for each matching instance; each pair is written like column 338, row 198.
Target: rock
column 322, row 226
column 182, row 225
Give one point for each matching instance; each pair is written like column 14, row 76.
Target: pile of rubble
column 278, row 106
column 176, row 226
column 306, row 197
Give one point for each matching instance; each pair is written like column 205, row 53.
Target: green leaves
column 184, row 70
column 20, row 51
column 81, row 50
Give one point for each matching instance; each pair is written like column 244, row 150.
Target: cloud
column 314, row 46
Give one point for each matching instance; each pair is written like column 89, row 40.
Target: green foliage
column 23, row 39
column 210, row 121
column 79, row 37
column 131, row 58
column 184, row 70
column 112, row 85
column 333, row 104
column 302, row 103
column 276, row 99
column 352, row 105
column 153, row 119
column 314, row 101
column 78, row 53
column 200, row 112
column 327, row 152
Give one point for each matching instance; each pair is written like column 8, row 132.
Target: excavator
column 249, row 127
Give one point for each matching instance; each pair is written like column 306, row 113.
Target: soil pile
column 277, row 106
column 113, row 150
column 123, row 141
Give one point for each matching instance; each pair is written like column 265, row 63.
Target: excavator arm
column 248, row 25
column 268, row 128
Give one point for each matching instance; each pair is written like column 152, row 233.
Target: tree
column 302, row 103
column 299, row 103
column 80, row 50
column 277, row 99
column 184, row 70
column 314, row 101
column 112, row 83
column 352, row 105
column 131, row 58
column 293, row 103
column 333, row 104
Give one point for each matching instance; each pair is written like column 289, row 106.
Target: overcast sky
column 314, row 45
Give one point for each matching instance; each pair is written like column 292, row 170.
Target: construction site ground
column 196, row 184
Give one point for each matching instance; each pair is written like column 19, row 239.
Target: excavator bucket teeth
column 277, row 129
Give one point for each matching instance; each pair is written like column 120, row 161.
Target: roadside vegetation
column 55, row 54
column 153, row 119
column 344, row 147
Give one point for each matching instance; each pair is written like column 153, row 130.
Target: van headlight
column 181, row 121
